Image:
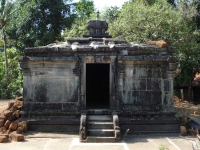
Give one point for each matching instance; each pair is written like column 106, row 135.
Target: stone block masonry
column 137, row 83
column 10, row 126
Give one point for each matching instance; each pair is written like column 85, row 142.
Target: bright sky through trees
column 99, row 4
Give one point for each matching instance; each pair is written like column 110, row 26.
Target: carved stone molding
column 144, row 58
column 83, row 128
column 120, row 84
column 170, row 75
column 116, row 126
column 98, row 59
column 26, row 72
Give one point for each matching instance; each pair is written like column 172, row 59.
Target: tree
column 84, row 12
column 79, row 27
column 38, row 22
column 5, row 10
column 110, row 14
column 189, row 54
column 84, row 8
column 12, row 87
column 140, row 22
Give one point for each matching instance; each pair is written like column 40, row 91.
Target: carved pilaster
column 83, row 129
column 113, row 84
column 116, row 126
column 80, row 68
column 78, row 72
column 168, row 107
column 121, row 74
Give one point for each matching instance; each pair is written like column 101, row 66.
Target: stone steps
column 100, row 126
column 99, row 118
column 98, row 112
column 101, row 132
column 97, row 139
column 97, row 125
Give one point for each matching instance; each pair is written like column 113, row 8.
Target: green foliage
column 138, row 22
column 83, row 13
column 38, row 22
column 5, row 13
column 110, row 14
column 189, row 46
column 163, row 147
column 141, row 22
column 85, row 8
column 79, row 27
column 12, row 87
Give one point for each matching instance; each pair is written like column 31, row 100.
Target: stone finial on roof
column 97, row 17
column 97, row 28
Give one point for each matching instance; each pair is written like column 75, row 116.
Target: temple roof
column 99, row 42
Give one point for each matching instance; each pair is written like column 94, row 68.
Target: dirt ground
column 184, row 108
column 4, row 104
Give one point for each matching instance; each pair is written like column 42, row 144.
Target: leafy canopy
column 38, row 22
column 140, row 21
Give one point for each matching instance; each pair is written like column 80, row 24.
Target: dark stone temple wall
column 146, row 87
column 146, row 98
column 52, row 82
column 140, row 83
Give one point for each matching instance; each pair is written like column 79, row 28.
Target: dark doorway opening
column 97, row 86
column 196, row 95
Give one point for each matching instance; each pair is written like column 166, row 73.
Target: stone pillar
column 169, row 96
column 168, row 100
column 77, row 84
column 120, row 87
column 26, row 73
column 121, row 82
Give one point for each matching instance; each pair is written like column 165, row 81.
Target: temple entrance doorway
column 97, row 86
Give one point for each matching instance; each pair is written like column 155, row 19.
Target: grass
column 163, row 147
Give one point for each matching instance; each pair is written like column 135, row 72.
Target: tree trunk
column 5, row 54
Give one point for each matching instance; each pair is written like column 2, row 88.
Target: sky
column 100, row 4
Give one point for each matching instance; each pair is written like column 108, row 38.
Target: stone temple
column 99, row 86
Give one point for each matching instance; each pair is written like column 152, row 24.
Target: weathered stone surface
column 192, row 132
column 16, row 113
column 13, row 108
column 2, row 130
column 183, row 131
column 18, row 103
column 154, row 84
column 6, row 135
column 19, row 130
column 139, row 84
column 12, row 118
column 23, row 125
column 10, row 104
column 20, row 98
column 140, row 79
column 16, row 121
column 2, row 116
column 9, row 131
column 17, row 137
column 2, row 122
column 13, row 127
column 166, row 85
column 7, row 113
column 3, row 139
column 7, row 124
